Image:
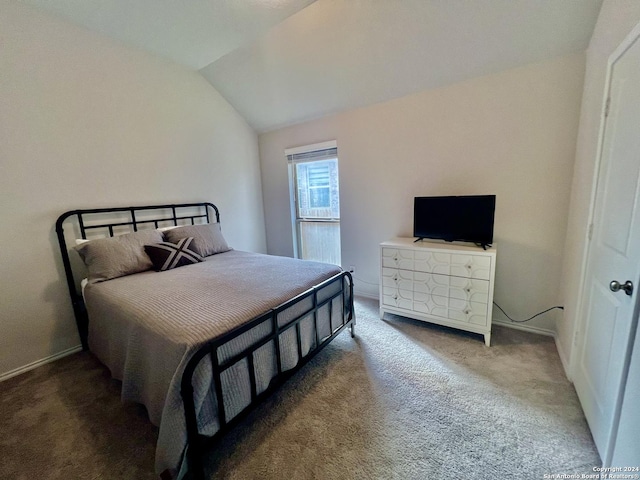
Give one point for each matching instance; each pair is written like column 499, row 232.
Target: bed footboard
column 310, row 321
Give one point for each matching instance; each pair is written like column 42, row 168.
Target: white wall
column 617, row 18
column 511, row 134
column 86, row 122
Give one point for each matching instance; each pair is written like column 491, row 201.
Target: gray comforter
column 144, row 328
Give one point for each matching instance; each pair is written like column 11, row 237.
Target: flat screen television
column 464, row 218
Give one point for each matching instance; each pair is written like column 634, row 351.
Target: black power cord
column 530, row 318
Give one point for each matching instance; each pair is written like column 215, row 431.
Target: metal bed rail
column 197, row 441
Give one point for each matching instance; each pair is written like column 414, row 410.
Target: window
column 315, row 202
column 317, row 184
column 318, row 178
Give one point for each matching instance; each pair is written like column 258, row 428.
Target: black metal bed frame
column 175, row 214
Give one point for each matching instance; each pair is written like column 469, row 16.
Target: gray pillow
column 207, row 238
column 113, row 257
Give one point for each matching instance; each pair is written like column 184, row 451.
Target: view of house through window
column 316, row 204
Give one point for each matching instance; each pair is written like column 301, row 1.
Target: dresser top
column 405, row 242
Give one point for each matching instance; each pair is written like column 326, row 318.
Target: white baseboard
column 362, row 288
column 372, row 296
column 526, row 328
column 563, row 358
column 38, row 363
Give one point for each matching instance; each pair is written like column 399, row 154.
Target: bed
column 200, row 345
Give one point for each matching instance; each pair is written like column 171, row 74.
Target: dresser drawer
column 469, row 289
column 453, row 309
column 470, row 266
column 429, row 304
column 468, row 312
column 397, row 258
column 460, row 265
column 432, row 262
column 398, row 298
column 395, row 278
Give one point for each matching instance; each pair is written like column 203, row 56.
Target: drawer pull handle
column 467, row 290
column 466, row 312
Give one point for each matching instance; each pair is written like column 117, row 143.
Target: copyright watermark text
column 600, row 473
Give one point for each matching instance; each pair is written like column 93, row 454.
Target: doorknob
column 626, row 286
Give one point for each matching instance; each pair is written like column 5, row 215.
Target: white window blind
column 315, row 155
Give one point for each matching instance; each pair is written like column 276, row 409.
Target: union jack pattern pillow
column 166, row 256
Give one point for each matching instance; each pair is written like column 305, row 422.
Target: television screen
column 465, row 218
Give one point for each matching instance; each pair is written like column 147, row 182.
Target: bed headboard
column 108, row 222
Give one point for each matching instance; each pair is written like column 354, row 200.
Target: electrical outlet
column 352, row 268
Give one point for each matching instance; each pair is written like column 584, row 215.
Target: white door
column 606, row 336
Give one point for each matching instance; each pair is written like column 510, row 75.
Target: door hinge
column 590, row 231
column 607, row 105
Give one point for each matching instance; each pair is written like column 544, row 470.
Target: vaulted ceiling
column 280, row 62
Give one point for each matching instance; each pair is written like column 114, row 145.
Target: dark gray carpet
column 403, row 400
column 65, row 420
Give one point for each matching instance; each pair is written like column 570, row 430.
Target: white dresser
column 444, row 283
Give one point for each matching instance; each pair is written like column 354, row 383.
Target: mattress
column 145, row 327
